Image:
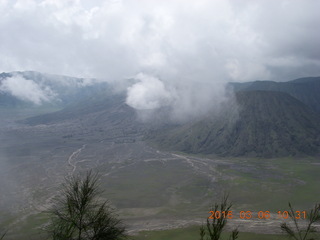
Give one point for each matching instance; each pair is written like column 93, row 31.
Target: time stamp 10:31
column 257, row 215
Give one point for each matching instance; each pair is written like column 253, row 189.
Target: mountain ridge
column 261, row 123
column 304, row 89
column 62, row 90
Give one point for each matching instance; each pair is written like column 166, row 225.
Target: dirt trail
column 185, row 158
column 266, row 226
column 72, row 158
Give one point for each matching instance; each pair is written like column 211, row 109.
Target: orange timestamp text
column 256, row 215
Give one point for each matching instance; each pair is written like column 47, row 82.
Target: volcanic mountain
column 263, row 124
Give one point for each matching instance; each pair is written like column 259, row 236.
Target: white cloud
column 149, row 93
column 27, row 90
column 119, row 38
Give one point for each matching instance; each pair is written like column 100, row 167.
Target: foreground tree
column 216, row 224
column 2, row 234
column 298, row 232
column 78, row 214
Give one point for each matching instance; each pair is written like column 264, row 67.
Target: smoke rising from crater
column 149, row 93
column 182, row 100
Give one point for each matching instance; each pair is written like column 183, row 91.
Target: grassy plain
column 179, row 186
column 192, row 233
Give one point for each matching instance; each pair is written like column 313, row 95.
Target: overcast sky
column 168, row 45
column 240, row 39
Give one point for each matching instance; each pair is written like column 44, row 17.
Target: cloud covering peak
column 27, row 90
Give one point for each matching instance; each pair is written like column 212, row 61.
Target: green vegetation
column 171, row 184
column 216, row 223
column 299, row 232
column 2, row 234
column 78, row 214
column 268, row 184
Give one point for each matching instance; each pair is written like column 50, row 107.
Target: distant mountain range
column 63, row 90
column 267, row 119
column 304, row 89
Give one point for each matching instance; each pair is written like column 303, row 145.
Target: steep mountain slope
column 304, row 89
column 9, row 101
column 106, row 117
column 268, row 124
